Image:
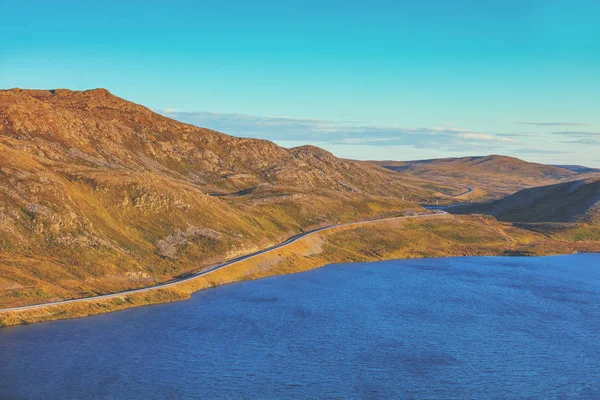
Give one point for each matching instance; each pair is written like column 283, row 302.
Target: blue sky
column 368, row 80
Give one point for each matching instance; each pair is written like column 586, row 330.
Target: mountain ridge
column 144, row 137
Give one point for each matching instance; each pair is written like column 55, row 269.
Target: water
column 436, row 328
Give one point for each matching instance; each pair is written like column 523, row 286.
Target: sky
column 397, row 80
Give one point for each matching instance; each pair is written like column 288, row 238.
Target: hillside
column 577, row 201
column 99, row 130
column 98, row 194
column 492, row 176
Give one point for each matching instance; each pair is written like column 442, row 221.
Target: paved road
column 469, row 190
column 217, row 267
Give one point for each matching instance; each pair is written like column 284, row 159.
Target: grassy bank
column 424, row 237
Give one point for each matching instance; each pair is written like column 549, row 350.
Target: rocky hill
column 99, row 130
column 99, row 194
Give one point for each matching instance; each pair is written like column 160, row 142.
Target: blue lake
column 434, row 328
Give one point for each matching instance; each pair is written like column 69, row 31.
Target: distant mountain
column 576, row 201
column 100, row 194
column 494, row 176
column 580, row 169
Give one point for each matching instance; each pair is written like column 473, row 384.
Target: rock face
column 95, row 190
column 577, row 201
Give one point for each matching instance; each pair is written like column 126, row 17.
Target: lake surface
column 434, row 328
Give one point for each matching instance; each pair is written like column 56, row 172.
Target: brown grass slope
column 452, row 235
column 570, row 202
column 495, row 176
column 98, row 194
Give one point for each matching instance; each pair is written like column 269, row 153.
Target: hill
column 99, row 194
column 577, row 201
column 96, row 129
column 492, row 176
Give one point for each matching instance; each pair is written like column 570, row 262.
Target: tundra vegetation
column 100, row 195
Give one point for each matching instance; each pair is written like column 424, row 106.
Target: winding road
column 219, row 266
column 469, row 190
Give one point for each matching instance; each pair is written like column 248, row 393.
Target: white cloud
column 578, row 133
column 554, row 123
column 360, row 140
column 487, row 136
column 283, row 128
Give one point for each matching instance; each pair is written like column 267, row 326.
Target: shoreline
column 306, row 270
column 315, row 249
column 206, row 270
